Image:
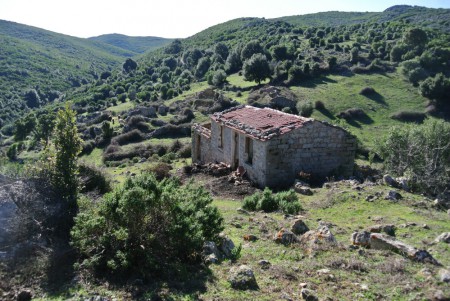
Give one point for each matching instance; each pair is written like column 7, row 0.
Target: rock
column 303, row 190
column 323, row 271
column 264, row 264
column 226, row 245
column 250, row 237
column 448, row 212
column 242, row 211
column 285, row 237
column 439, row 296
column 313, row 238
column 299, row 227
column 210, row 253
column 444, row 237
column 388, row 180
column 386, row 228
column 380, row 241
column 361, row 239
column 393, row 195
column 24, row 295
column 308, row 295
column 444, row 275
column 242, row 278
column 403, row 183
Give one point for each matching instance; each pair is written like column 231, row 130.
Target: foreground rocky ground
column 352, row 241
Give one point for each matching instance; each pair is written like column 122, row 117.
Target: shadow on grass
column 357, row 121
column 312, row 83
column 377, row 97
column 326, row 113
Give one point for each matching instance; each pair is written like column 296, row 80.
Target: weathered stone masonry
column 273, row 146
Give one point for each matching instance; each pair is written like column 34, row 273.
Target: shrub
column 130, row 137
column 267, row 201
column 145, row 226
column 421, row 153
column 93, row 178
column 417, row 117
column 319, row 105
column 160, row 170
column 305, row 108
column 367, row 91
column 352, row 113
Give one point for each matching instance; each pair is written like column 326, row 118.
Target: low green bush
column 144, row 227
column 267, row 201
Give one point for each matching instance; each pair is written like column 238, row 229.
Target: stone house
column 272, row 146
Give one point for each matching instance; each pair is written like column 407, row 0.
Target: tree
column 24, row 126
column 415, row 37
column 279, row 52
column 45, row 126
column 354, row 55
column 250, row 49
column 437, row 88
column 222, row 50
column 32, row 98
column 202, row 67
column 174, row 48
column 129, row 65
column 68, row 145
column 257, row 68
column 233, row 62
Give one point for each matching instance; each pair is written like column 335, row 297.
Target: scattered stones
column 242, row 211
column 308, row 295
column 305, row 190
column 242, row 278
column 385, row 242
column 264, row 264
column 226, row 245
column 24, row 295
column 210, row 253
column 444, row 275
column 439, row 296
column 361, row 239
column 444, row 237
column 386, row 228
column 313, row 238
column 388, row 180
column 285, row 237
column 299, row 227
column 402, row 183
column 250, row 237
column 393, row 195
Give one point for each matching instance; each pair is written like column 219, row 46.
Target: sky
column 170, row 18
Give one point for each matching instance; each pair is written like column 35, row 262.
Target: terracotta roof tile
column 262, row 123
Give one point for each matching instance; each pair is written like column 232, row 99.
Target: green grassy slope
column 136, row 45
column 33, row 58
column 417, row 15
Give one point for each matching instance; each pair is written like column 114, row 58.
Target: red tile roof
column 261, row 123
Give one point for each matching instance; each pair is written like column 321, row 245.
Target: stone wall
column 318, row 148
column 201, row 144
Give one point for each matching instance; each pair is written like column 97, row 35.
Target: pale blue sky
column 170, row 18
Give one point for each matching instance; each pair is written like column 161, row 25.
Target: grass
column 340, row 93
column 122, row 107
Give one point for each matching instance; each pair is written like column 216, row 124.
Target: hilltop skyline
column 171, row 18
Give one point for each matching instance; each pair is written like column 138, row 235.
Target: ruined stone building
column 272, row 146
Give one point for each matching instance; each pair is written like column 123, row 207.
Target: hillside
column 417, row 15
column 135, row 44
column 381, row 234
column 51, row 63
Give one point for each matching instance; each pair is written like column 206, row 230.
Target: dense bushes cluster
column 267, row 201
column 421, row 153
column 144, row 226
